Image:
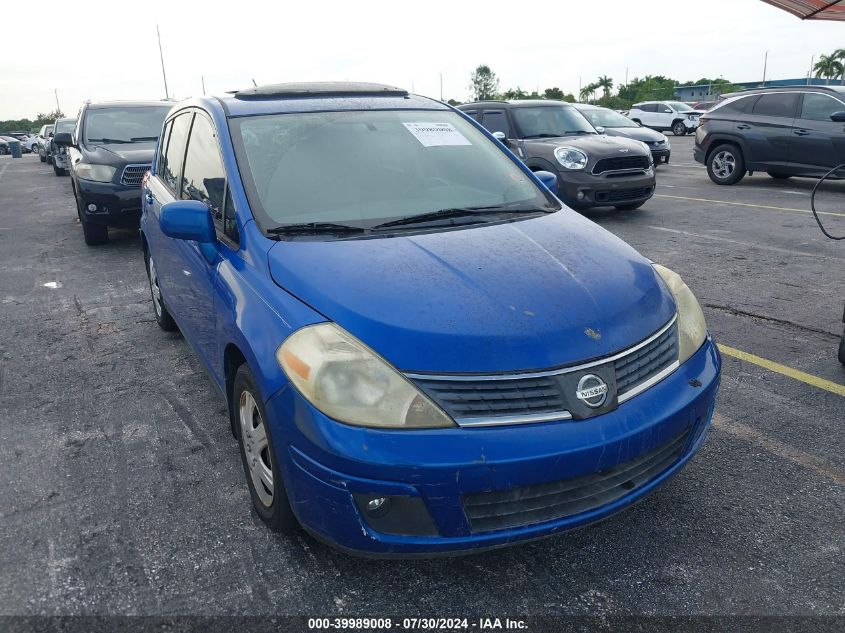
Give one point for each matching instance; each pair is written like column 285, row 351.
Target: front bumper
column 582, row 189
column 116, row 205
column 327, row 465
column 660, row 155
column 60, row 160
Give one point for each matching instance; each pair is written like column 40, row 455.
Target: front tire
column 41, row 157
column 59, row 171
column 679, row 129
column 726, row 165
column 842, row 349
column 263, row 474
column 163, row 318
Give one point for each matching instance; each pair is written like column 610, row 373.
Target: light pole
column 58, row 107
column 161, row 55
column 765, row 67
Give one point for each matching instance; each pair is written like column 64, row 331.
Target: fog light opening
column 92, row 207
column 377, row 505
column 581, row 195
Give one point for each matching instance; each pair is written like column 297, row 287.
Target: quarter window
column 777, row 104
column 162, row 148
column 175, row 153
column 819, row 107
column 204, row 177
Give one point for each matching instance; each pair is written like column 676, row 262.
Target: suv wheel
column 778, row 176
column 842, row 349
column 41, row 157
column 630, row 207
column 163, row 318
column 263, row 475
column 725, row 165
column 59, row 171
column 678, row 128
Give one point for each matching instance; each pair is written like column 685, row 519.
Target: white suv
column 666, row 115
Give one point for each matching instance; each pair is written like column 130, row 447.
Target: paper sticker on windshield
column 436, row 134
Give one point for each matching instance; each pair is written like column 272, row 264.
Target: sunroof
column 321, row 89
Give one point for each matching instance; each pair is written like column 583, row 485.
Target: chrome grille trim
column 529, row 417
column 133, row 174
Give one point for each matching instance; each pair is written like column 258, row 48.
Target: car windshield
column 607, row 118
column 363, row 168
column 679, row 107
column 65, row 126
column 551, row 121
column 124, row 124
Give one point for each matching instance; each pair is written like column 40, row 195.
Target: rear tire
column 263, row 475
column 42, row 158
column 679, row 129
column 842, row 349
column 163, row 318
column 726, row 165
column 778, row 176
column 630, row 207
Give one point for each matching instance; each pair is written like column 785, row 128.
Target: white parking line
column 3, row 170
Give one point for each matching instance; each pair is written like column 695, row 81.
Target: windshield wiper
column 459, row 212
column 544, row 135
column 578, row 133
column 144, row 138
column 315, row 228
column 108, row 140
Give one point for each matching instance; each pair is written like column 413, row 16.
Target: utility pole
column 626, row 76
column 441, row 86
column 765, row 67
column 203, row 83
column 161, row 55
column 810, row 72
column 56, row 92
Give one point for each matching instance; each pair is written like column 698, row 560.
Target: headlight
column 666, row 140
column 349, row 382
column 648, row 152
column 571, row 158
column 692, row 329
column 97, row 173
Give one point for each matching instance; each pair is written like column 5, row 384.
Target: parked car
column 45, row 136
column 592, row 170
column 666, row 115
column 21, row 137
column 612, row 123
column 704, row 106
column 109, row 152
column 421, row 349
column 59, row 153
column 785, row 131
column 4, row 144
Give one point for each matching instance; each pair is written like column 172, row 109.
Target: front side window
column 363, row 168
column 124, row 124
column 162, row 148
column 496, row 121
column 781, row 104
column 204, row 178
column 818, row 107
column 551, row 121
column 65, row 126
column 175, row 152
column 607, row 118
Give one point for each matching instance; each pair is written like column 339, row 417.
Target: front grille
column 540, row 396
column 133, row 175
column 621, row 163
column 492, row 398
column 528, row 505
column 623, row 195
column 646, row 362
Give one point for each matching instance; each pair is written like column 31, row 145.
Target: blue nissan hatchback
column 422, row 350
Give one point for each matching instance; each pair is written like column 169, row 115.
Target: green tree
column 839, row 54
column 587, row 91
column 649, row 88
column 829, row 67
column 553, row 93
column 483, row 83
column 605, row 83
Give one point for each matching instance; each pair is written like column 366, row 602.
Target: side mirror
column 63, row 139
column 500, row 136
column 839, row 117
column 600, row 129
column 187, row 220
column 548, row 179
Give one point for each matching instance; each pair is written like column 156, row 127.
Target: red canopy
column 812, row 9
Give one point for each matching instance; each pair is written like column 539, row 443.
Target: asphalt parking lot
column 122, row 492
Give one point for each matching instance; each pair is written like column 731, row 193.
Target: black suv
column 788, row 131
column 109, row 153
column 593, row 170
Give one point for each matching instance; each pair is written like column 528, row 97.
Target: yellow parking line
column 795, row 374
column 747, row 204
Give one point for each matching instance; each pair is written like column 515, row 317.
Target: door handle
column 801, row 132
column 743, row 126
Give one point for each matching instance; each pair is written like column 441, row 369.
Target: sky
column 100, row 50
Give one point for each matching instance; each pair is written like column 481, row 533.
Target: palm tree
column 828, row 66
column 606, row 84
column 839, row 55
column 586, row 91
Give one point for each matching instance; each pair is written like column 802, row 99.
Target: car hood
column 637, row 133
column 120, row 153
column 531, row 294
column 595, row 145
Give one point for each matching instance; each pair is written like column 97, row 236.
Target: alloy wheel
column 724, row 165
column 155, row 290
column 256, row 448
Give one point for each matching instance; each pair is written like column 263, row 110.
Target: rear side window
column 735, row 106
column 818, row 107
column 496, row 121
column 162, row 148
column 175, row 153
column 204, row 178
column 782, row 104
